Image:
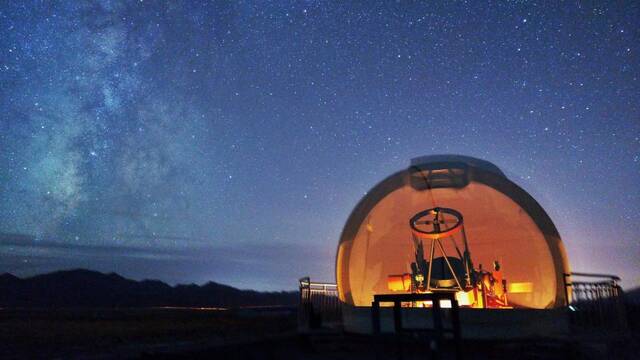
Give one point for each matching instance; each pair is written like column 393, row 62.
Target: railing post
column 455, row 319
column 437, row 324
column 397, row 316
column 304, row 310
column 566, row 289
column 375, row 316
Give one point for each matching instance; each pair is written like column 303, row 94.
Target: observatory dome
column 506, row 234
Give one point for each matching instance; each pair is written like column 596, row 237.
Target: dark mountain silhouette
column 85, row 288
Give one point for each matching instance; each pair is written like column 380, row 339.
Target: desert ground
column 269, row 333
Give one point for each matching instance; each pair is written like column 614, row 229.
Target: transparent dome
column 503, row 225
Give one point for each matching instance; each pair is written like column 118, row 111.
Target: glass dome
column 508, row 247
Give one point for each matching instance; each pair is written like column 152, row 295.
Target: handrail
column 613, row 279
column 595, row 301
column 319, row 303
column 581, row 274
column 307, row 281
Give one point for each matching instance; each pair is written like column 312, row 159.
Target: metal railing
column 595, row 301
column 319, row 305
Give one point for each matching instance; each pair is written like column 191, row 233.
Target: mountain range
column 86, row 288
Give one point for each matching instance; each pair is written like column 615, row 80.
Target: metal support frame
column 438, row 331
column 435, row 237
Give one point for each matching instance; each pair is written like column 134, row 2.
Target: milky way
column 229, row 141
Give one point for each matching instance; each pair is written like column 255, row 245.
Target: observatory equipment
column 474, row 288
column 458, row 224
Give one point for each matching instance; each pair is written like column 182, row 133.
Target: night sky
column 229, row 141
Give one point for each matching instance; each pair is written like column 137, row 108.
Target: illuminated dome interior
column 501, row 223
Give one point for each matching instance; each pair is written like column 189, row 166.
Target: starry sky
column 229, row 141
